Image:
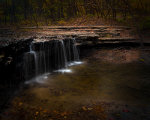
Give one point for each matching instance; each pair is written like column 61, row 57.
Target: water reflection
column 89, row 84
column 64, row 71
column 39, row 79
column 75, row 63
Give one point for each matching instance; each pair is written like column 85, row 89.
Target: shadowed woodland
column 74, row 59
column 47, row 12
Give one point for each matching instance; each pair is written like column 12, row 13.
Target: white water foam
column 61, row 58
column 75, row 63
column 39, row 79
column 64, row 71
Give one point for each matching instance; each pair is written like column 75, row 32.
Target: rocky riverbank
column 14, row 43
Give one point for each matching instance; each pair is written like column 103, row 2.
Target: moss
column 145, row 24
column 120, row 20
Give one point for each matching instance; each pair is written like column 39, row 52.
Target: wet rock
column 84, row 35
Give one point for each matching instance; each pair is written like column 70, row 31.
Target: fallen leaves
column 63, row 113
column 142, row 60
column 20, row 104
column 84, row 108
column 36, row 113
column 44, row 111
column 90, row 108
column 125, row 110
column 28, row 111
column 87, row 108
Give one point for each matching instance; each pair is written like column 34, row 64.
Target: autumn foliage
column 47, row 12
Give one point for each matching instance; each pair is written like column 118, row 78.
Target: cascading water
column 72, row 52
column 45, row 57
column 30, row 63
column 75, row 51
column 64, row 53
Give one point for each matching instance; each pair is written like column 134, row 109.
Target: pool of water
column 81, row 89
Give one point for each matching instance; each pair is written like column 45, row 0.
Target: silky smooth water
column 88, row 83
column 46, row 56
column 106, row 85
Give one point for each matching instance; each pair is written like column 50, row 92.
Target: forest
column 75, row 59
column 47, row 12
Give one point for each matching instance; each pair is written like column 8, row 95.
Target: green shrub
column 145, row 24
column 61, row 22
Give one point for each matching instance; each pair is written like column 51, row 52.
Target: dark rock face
column 11, row 70
column 11, row 59
column 27, row 59
column 20, row 60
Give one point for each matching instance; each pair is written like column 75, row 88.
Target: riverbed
column 109, row 85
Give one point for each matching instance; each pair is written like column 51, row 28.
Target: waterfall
column 64, row 53
column 75, row 51
column 30, row 63
column 47, row 56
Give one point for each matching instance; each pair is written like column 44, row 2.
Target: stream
column 92, row 89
